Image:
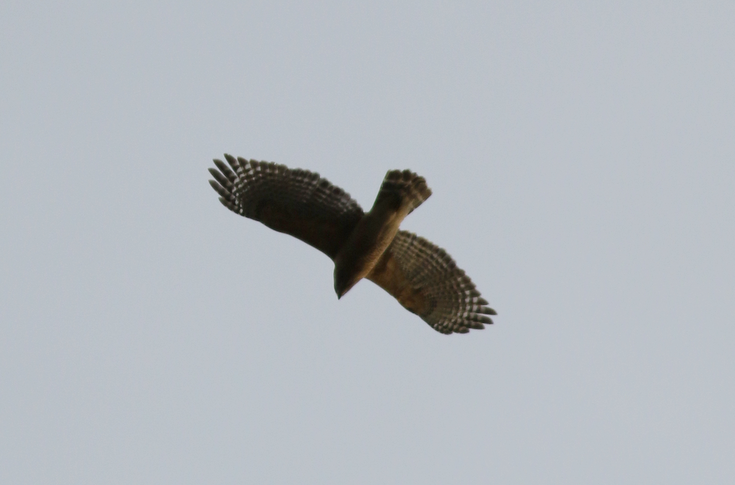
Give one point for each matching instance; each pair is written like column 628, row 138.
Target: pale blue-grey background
column 582, row 160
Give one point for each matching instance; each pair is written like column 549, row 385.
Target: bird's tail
column 405, row 189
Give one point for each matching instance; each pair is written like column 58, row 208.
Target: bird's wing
column 295, row 202
column 427, row 281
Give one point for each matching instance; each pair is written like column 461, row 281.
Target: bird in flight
column 421, row 276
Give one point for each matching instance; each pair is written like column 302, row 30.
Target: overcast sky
column 582, row 160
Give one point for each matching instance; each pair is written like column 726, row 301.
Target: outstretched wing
column 427, row 281
column 295, row 202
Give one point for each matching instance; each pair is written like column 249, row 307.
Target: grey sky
column 582, row 160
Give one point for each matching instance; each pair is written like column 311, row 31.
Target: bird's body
column 400, row 193
column 421, row 276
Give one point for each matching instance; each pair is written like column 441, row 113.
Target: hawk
column 421, row 276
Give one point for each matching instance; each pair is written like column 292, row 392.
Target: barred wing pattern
column 296, row 202
column 427, row 281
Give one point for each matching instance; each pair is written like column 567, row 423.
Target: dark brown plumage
column 420, row 275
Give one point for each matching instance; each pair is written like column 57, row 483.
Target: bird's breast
column 367, row 243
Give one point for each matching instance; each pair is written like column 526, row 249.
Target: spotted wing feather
column 296, row 202
column 427, row 281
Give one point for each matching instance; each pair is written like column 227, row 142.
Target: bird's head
column 343, row 280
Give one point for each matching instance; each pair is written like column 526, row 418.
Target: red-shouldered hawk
column 421, row 276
